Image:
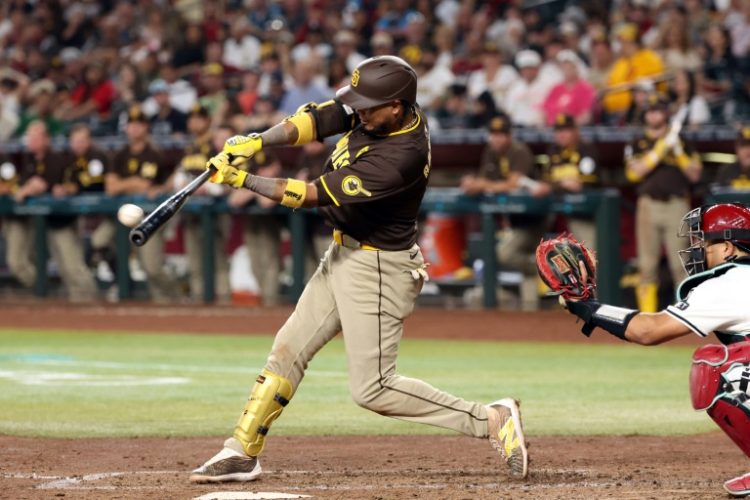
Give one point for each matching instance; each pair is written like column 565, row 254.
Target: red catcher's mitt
column 568, row 267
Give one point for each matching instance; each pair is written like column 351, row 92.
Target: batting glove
column 225, row 172
column 240, row 148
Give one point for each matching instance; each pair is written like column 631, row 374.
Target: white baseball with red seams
column 130, row 215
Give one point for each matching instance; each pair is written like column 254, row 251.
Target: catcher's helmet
column 721, row 222
column 379, row 80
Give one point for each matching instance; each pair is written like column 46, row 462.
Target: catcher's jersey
column 666, row 180
column 719, row 304
column 148, row 164
column 576, row 163
column 734, row 176
column 372, row 185
column 89, row 168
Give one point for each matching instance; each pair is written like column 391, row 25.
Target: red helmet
column 721, row 222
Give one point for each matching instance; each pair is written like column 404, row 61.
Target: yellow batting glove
column 240, row 148
column 225, row 172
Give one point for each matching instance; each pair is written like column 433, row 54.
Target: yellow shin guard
column 271, row 393
column 648, row 297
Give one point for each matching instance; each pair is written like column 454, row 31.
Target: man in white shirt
column 713, row 298
column 241, row 49
column 523, row 101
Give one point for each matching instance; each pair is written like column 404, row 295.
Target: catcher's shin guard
column 734, row 421
column 270, row 394
column 648, row 297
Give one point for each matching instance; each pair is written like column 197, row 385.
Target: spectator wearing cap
column 345, row 48
column 682, row 91
column 165, row 120
column 433, row 81
column 574, row 96
column 737, row 175
column 198, row 150
column 241, row 49
column 525, row 98
column 43, row 171
column 507, row 165
column 571, row 168
column 633, row 63
column 213, row 96
column 304, row 89
column 91, row 98
column 494, row 76
column 396, row 20
column 455, row 108
column 182, row 94
column 664, row 169
column 139, row 168
column 381, row 44
column 41, row 106
column 642, row 90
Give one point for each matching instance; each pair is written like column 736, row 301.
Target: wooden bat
column 140, row 234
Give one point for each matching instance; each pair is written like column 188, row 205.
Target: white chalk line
column 54, row 378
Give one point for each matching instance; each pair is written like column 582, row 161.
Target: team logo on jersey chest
column 352, row 185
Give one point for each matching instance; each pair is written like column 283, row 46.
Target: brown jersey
column 498, row 165
column 148, row 164
column 734, row 176
column 576, row 163
column 196, row 156
column 89, row 168
column 53, row 167
column 664, row 181
column 372, row 185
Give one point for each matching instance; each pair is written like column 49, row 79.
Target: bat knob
column 137, row 237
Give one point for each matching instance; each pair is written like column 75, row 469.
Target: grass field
column 84, row 384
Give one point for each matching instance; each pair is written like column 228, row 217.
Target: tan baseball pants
column 658, row 222
column 194, row 250
column 367, row 294
column 263, row 240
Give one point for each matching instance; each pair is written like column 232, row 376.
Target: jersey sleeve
column 332, row 118
column 703, row 310
column 371, row 177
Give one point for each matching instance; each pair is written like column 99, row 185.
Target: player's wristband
column 683, row 160
column 294, row 194
column 613, row 320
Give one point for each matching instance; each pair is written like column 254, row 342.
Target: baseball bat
column 140, row 234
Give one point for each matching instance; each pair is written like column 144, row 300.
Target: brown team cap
column 136, row 114
column 199, row 110
column 657, row 100
column 500, row 124
column 743, row 137
column 379, row 80
column 563, row 121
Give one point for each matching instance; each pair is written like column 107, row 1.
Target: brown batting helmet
column 379, row 80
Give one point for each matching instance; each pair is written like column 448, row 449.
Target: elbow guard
column 303, row 122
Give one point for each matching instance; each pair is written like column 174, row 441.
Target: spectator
column 396, row 20
column 241, row 49
column 636, row 114
column 633, row 63
column 444, row 40
column 261, row 13
column 737, row 175
column 182, row 94
column 494, row 76
column 676, row 49
column 382, row 44
column 738, row 25
column 45, row 172
column 698, row 20
column 719, row 67
column 190, row 55
column 314, row 47
column 138, row 168
column 344, row 48
column 265, row 115
column 129, row 87
column 508, row 165
column 524, row 99
column 214, row 96
column 94, row 96
column 682, row 93
column 415, row 37
column 248, row 93
column 574, row 96
column 304, row 89
column 9, row 120
column 455, row 110
column 166, row 120
column 433, row 81
column 193, row 163
column 601, row 60
column 42, row 107
column 572, row 168
column 470, row 57
column 338, row 75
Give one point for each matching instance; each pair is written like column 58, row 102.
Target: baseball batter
column 712, row 299
column 369, row 279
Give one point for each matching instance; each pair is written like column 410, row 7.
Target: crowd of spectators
column 250, row 62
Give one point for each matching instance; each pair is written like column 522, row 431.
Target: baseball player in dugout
column 43, row 172
column 89, row 164
column 261, row 232
column 199, row 149
column 571, row 168
column 737, row 175
column 139, row 168
column 712, row 298
column 508, row 165
column 369, row 279
column 664, row 169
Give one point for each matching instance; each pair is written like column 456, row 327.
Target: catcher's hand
column 225, row 172
column 568, row 267
column 241, row 148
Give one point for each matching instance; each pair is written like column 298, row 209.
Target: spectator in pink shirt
column 574, row 96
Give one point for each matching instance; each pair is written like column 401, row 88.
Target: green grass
column 103, row 384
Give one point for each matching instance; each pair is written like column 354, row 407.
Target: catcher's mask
column 709, row 223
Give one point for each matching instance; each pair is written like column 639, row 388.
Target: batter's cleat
column 739, row 486
column 506, row 435
column 227, row 465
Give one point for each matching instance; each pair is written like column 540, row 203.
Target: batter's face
column 382, row 119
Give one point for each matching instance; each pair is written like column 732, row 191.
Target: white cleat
column 227, row 465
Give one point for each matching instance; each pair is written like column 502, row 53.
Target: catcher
column 713, row 298
column 367, row 282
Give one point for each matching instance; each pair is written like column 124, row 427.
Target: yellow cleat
column 506, row 435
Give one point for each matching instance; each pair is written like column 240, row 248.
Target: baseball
column 130, row 215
